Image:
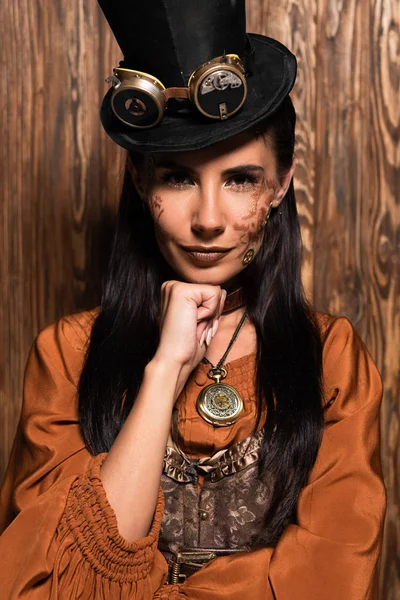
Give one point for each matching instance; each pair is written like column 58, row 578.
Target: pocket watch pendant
column 218, row 403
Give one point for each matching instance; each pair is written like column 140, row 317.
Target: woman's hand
column 131, row 469
column 189, row 319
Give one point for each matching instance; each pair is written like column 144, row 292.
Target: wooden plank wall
column 61, row 177
column 348, row 187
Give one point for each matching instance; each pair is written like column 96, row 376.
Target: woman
column 205, row 415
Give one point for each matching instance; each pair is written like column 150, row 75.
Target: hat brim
column 267, row 87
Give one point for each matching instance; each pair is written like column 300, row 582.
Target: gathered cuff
column 93, row 524
column 168, row 592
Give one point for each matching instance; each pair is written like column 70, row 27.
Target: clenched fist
column 189, row 319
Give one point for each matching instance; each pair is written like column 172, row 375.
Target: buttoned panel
column 228, row 511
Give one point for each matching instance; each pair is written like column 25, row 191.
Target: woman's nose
column 208, row 217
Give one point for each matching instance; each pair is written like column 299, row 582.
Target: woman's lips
column 206, row 257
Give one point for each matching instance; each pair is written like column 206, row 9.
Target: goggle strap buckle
column 114, row 80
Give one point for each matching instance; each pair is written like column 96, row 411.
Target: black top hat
column 167, row 41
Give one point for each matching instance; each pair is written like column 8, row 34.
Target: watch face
column 136, row 107
column 220, row 94
column 219, row 404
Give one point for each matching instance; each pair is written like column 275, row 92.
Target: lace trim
column 179, row 467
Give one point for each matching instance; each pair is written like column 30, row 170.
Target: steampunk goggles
column 217, row 88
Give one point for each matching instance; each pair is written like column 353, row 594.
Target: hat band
column 218, row 89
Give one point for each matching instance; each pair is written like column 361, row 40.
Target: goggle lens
column 137, row 108
column 220, row 94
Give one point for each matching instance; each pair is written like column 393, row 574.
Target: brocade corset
column 228, row 511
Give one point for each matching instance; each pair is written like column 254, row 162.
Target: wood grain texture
column 61, row 177
column 347, row 97
column 384, row 97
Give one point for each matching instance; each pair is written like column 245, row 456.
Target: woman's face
column 209, row 205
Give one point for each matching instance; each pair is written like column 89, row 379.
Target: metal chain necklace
column 218, row 403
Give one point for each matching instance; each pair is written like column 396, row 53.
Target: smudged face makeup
column 209, row 206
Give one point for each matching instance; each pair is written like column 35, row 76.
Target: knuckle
column 176, row 286
column 167, row 284
column 215, row 289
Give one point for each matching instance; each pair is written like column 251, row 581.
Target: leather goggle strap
column 176, row 92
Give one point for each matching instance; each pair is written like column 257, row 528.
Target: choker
column 233, row 301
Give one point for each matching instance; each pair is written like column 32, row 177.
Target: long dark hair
column 125, row 337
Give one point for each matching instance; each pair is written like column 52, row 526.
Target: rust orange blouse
column 59, row 534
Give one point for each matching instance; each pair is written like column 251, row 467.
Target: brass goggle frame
column 224, row 74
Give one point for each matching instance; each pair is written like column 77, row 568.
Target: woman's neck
column 245, row 344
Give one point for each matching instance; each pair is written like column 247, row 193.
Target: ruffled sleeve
column 60, row 537
column 331, row 553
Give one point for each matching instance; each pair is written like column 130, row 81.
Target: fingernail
column 209, row 336
column 222, row 303
column 215, row 327
column 203, row 335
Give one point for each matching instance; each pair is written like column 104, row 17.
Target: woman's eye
column 176, row 179
column 242, row 180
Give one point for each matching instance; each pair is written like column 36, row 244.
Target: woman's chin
column 208, row 277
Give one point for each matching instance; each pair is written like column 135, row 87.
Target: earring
column 267, row 216
column 248, row 257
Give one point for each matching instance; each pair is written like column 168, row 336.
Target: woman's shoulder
column 337, row 333
column 339, row 338
column 330, row 324
column 71, row 330
column 54, row 365
column 347, row 363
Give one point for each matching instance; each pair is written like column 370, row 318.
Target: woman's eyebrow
column 242, row 169
column 171, row 164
